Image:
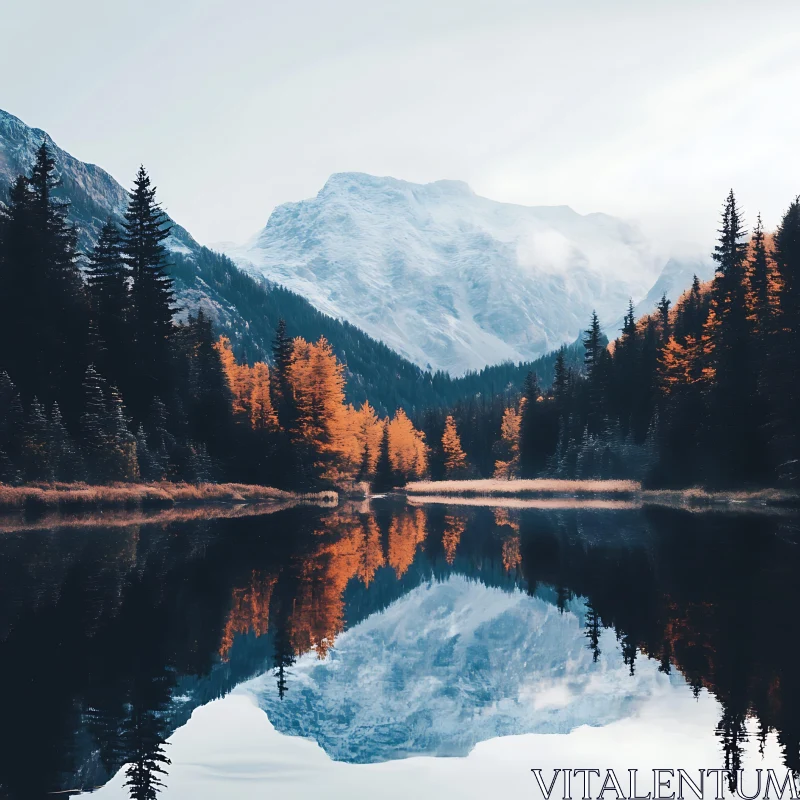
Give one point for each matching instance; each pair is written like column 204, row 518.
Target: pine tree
column 108, row 444
column 561, row 377
column 36, row 454
column 64, row 458
column 151, row 296
column 592, row 345
column 107, row 280
column 455, row 460
column 784, row 395
column 663, row 316
column 384, row 475
column 281, row 392
column 760, row 300
column 734, row 435
column 11, row 429
column 42, row 301
column 597, row 366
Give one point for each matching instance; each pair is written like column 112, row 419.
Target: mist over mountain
column 449, row 279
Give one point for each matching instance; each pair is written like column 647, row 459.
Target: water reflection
column 499, row 621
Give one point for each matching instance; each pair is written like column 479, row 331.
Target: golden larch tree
column 507, row 466
column 455, row 459
column 407, row 450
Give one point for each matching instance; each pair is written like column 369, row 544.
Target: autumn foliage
column 333, row 442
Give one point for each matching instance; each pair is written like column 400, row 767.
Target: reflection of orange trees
column 250, row 610
column 453, row 529
column 372, row 558
column 348, row 547
column 511, row 552
column 406, row 533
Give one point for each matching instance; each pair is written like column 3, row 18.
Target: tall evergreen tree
column 592, row 345
column 42, row 301
column 384, row 475
column 145, row 229
column 735, row 438
column 784, row 394
column 107, row 280
column 760, row 284
column 663, row 317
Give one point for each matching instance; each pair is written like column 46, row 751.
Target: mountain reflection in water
column 506, row 621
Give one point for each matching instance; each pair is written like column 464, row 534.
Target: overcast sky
column 647, row 110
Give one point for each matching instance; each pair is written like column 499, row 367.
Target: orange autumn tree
column 368, row 433
column 455, row 459
column 333, row 442
column 250, row 388
column 408, row 453
column 326, row 427
column 507, row 466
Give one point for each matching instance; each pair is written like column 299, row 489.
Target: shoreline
column 67, row 497
column 562, row 493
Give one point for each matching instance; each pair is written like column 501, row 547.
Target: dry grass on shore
column 543, row 487
column 55, row 520
column 521, row 503
column 597, row 494
column 78, row 496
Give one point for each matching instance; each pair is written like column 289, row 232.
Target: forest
column 100, row 382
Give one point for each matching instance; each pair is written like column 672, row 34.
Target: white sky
column 649, row 110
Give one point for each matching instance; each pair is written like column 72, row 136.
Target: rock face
column 449, row 279
column 93, row 194
column 449, row 665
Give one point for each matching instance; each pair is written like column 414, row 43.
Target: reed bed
column 543, row 487
column 78, row 496
column 542, row 503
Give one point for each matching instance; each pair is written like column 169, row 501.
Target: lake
column 389, row 649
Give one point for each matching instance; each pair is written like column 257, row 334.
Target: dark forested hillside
column 247, row 311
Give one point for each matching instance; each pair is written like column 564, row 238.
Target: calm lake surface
column 390, row 650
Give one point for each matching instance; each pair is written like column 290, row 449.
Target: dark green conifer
column 151, row 296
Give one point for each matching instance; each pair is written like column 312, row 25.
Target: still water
column 390, row 650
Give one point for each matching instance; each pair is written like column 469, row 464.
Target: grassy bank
column 81, row 496
column 543, row 487
column 602, row 494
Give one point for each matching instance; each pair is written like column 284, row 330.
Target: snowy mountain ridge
column 447, row 278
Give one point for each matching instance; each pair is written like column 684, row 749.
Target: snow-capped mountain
column 449, row 279
column 451, row 664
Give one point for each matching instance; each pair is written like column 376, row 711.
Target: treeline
column 96, row 380
column 704, row 392
column 99, row 382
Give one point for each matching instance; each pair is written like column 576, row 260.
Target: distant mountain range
column 451, row 280
column 398, row 276
column 245, row 308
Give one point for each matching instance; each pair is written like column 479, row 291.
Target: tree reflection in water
column 109, row 637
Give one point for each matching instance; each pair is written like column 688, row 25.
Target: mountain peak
column 448, row 278
column 364, row 182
